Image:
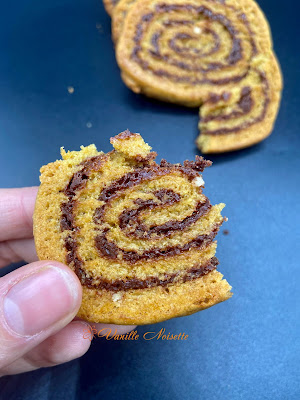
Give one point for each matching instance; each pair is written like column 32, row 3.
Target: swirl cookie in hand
column 139, row 235
column 209, row 53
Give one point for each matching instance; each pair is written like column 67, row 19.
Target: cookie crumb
column 71, row 89
column 99, row 27
column 199, row 181
column 116, row 297
column 225, row 232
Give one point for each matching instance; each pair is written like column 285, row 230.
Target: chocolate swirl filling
column 109, row 249
column 244, row 106
column 234, row 56
column 195, row 66
column 129, row 219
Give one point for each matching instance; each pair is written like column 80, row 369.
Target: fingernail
column 40, row 300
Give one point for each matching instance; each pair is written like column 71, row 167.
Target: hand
column 38, row 302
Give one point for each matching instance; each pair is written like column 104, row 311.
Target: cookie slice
column 138, row 234
column 213, row 54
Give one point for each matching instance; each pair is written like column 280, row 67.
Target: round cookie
column 139, row 235
column 207, row 53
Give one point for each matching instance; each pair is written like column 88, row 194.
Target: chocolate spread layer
column 244, row 106
column 189, row 168
column 124, row 135
column 186, row 50
column 198, row 165
column 67, row 218
column 134, row 283
column 245, row 103
column 233, row 57
column 153, row 281
column 139, row 175
column 129, row 219
column 109, row 249
column 215, row 98
column 77, row 183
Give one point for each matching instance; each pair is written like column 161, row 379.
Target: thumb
column 36, row 301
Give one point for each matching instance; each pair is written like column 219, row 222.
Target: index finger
column 16, row 210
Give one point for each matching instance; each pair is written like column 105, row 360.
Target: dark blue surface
column 245, row 348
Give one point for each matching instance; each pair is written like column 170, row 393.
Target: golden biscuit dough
column 214, row 54
column 109, row 6
column 118, row 17
column 139, row 235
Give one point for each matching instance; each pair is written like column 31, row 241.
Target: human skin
column 39, row 301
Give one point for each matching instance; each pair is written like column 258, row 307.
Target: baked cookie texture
column 138, row 234
column 119, row 14
column 109, row 6
column 216, row 55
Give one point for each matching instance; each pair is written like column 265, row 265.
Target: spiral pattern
column 208, row 53
column 124, row 223
column 131, row 228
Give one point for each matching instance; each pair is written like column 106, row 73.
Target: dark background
column 245, row 348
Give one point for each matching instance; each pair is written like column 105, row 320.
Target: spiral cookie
column 139, row 235
column 213, row 54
